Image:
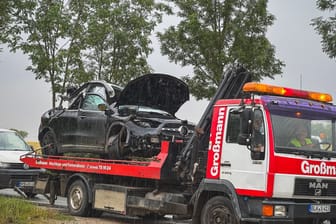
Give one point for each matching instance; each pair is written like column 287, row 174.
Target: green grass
column 19, row 211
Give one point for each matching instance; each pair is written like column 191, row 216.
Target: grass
column 19, row 211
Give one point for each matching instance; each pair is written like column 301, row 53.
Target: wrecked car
column 14, row 173
column 118, row 122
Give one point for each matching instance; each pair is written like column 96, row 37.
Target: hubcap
column 76, row 198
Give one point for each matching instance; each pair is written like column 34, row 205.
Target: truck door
column 246, row 170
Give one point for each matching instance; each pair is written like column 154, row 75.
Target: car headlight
column 4, row 165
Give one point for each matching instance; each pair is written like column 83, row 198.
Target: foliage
column 118, row 37
column 15, row 210
column 70, row 42
column 326, row 27
column 23, row 134
column 214, row 35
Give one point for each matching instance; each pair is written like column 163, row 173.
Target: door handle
column 228, row 164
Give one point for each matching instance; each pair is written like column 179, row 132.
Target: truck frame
column 218, row 176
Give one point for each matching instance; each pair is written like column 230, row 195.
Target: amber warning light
column 289, row 92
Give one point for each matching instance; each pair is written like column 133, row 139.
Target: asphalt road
column 61, row 205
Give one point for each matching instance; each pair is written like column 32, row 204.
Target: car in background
column 14, row 173
column 117, row 122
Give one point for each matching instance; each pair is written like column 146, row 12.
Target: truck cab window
column 233, row 128
column 258, row 132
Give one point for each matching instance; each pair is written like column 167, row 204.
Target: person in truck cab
column 300, row 138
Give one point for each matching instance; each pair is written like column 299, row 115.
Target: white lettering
column 218, row 140
column 318, row 169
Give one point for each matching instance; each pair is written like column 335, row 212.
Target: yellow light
column 283, row 91
column 267, row 210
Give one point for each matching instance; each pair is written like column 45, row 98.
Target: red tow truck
column 230, row 171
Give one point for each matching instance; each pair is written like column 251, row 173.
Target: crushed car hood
column 159, row 91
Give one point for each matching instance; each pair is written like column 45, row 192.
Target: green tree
column 214, row 35
column 118, row 37
column 41, row 29
column 23, row 134
column 326, row 27
column 70, row 42
column 5, row 16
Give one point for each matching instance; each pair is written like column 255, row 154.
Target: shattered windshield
column 10, row 141
column 308, row 135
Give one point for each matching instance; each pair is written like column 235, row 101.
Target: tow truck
column 220, row 175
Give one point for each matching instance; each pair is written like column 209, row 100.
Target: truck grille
column 314, row 187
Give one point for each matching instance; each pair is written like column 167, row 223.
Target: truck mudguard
column 212, row 187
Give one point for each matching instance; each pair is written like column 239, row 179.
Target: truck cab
column 265, row 172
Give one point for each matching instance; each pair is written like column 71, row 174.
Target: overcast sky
column 24, row 99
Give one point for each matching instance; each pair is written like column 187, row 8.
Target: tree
column 214, row 35
column 326, row 27
column 70, row 42
column 23, row 134
column 40, row 29
column 118, row 37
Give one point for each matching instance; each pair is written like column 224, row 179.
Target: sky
column 24, row 99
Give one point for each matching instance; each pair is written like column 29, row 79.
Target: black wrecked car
column 116, row 123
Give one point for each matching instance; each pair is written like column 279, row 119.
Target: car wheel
column 49, row 144
column 116, row 144
column 78, row 199
column 218, row 210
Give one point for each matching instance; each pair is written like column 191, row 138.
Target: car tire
column 78, row 199
column 218, row 210
column 49, row 144
column 116, row 144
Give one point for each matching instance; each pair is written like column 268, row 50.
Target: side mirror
column 245, row 133
column 104, row 107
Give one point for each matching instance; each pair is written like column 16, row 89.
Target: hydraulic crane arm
column 229, row 88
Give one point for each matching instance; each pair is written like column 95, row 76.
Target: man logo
column 318, row 186
column 318, row 192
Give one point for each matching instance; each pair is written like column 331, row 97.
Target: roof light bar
column 289, row 92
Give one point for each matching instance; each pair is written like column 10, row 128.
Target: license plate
column 25, row 184
column 319, row 208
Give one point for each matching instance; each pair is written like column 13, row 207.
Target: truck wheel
column 218, row 210
column 49, row 144
column 78, row 202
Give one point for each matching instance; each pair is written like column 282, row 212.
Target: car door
column 92, row 123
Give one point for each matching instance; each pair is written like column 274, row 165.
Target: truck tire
column 78, row 199
column 49, row 139
column 218, row 210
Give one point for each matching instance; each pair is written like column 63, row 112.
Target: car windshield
column 11, row 141
column 305, row 134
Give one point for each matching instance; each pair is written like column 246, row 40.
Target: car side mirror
column 245, row 130
column 104, row 107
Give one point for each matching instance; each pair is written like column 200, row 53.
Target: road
column 61, row 205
